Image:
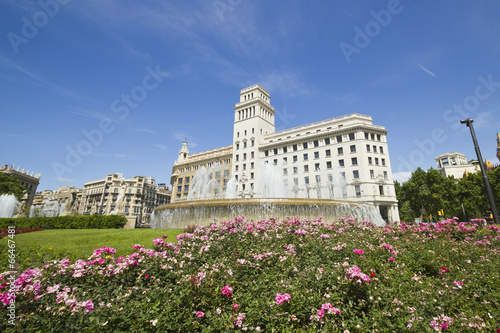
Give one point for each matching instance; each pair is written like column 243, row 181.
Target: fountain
column 208, row 203
column 8, row 205
column 48, row 208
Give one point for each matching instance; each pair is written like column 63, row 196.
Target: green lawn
column 36, row 248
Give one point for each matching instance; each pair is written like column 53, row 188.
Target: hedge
column 66, row 222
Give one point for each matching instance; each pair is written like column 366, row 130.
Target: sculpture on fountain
column 22, row 205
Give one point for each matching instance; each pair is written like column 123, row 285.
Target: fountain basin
column 205, row 212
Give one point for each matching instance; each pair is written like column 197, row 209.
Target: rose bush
column 298, row 275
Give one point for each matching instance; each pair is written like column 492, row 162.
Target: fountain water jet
column 8, row 205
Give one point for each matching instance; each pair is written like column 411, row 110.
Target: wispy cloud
column 182, row 136
column 62, row 179
column 161, row 146
column 401, row 177
column 36, row 79
column 123, row 156
column 427, row 71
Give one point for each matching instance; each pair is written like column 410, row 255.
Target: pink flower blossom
column 235, row 306
column 200, row 314
column 227, row 291
column 354, row 273
column 358, row 251
column 392, row 259
column 281, row 298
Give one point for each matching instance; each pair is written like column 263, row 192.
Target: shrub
column 66, row 222
column 290, row 275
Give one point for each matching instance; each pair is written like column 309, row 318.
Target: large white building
column 342, row 158
column 456, row 165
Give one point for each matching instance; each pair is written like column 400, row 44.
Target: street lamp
column 487, row 185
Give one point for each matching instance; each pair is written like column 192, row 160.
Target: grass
column 36, row 248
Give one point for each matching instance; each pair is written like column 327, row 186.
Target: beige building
column 184, row 170
column 340, row 158
column 25, row 178
column 456, row 165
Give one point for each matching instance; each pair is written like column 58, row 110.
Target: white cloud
column 401, row 177
column 427, row 71
column 61, row 179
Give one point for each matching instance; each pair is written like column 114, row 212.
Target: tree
column 9, row 184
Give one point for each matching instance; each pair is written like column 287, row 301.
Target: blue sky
column 102, row 86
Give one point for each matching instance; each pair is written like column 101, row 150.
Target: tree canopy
column 9, row 184
column 431, row 191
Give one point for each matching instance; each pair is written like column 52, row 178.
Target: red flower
column 147, row 276
column 373, row 275
column 445, row 269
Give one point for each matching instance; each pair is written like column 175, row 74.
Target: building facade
column 456, row 165
column 343, row 158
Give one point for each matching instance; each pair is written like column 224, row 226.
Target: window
column 251, row 165
column 368, row 148
column 186, row 187
column 381, row 190
column 226, row 173
column 306, row 168
column 294, row 158
column 251, row 175
column 275, row 161
column 385, row 174
column 237, row 157
column 316, row 143
column 354, row 161
column 252, row 143
column 383, row 161
column 305, row 157
column 285, row 149
column 376, row 160
column 355, row 174
column 285, row 171
column 318, row 179
column 381, row 149
column 285, row 160
column 275, row 150
column 294, row 147
column 179, row 188
column 316, row 154
column 304, row 145
column 306, row 180
column 339, row 138
column 374, row 149
column 295, row 181
column 378, row 137
column 366, row 136
column 266, row 153
column 330, row 177
column 236, row 168
column 244, row 166
column 316, row 167
column 295, row 170
column 351, row 136
column 372, row 136
column 244, row 156
column 327, row 141
column 370, row 161
column 237, row 146
column 340, row 150
column 328, row 165
column 372, row 174
column 353, row 148
column 342, row 175
column 217, row 174
column 328, row 153
column 357, row 189
column 341, row 163
column 244, row 144
column 252, row 155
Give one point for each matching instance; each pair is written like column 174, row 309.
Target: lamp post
column 487, row 185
